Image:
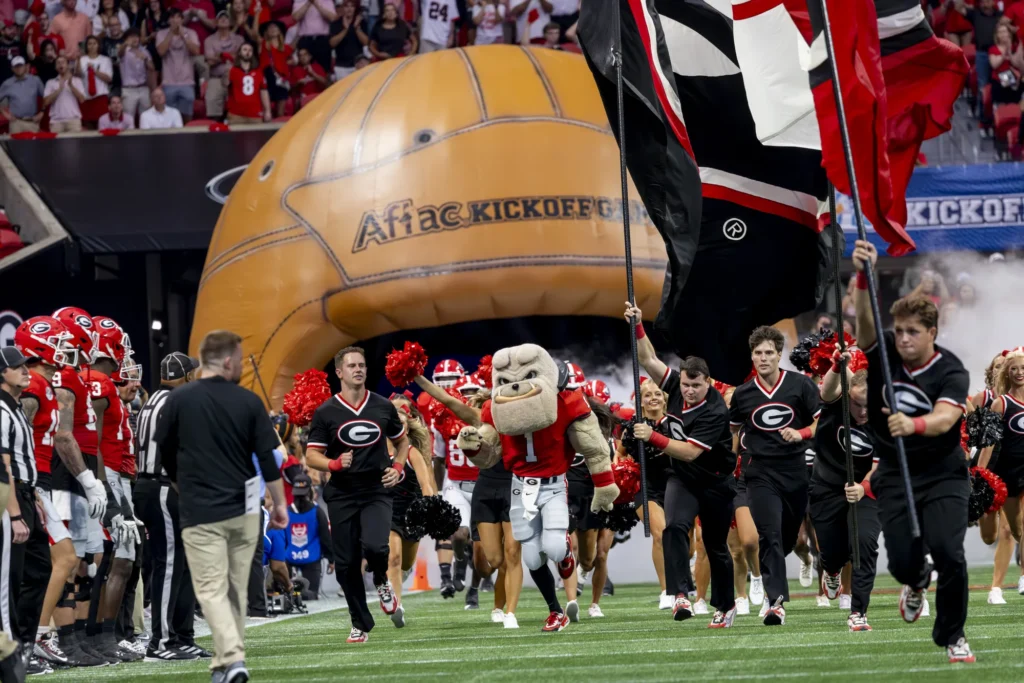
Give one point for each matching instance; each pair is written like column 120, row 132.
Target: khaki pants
column 135, row 100
column 24, row 127
column 69, row 126
column 219, row 556
column 216, row 94
column 7, row 646
column 236, row 119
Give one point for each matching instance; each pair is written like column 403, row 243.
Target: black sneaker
column 447, row 588
column 92, row 645
column 169, row 654
column 472, row 599
column 106, row 646
column 12, row 667
column 609, row 587
column 37, row 667
column 193, row 649
column 460, row 575
column 78, row 656
column 487, row 585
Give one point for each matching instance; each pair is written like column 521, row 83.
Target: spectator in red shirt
column 1015, row 13
column 248, row 101
column 308, row 77
column 243, row 23
column 275, row 62
column 219, row 48
column 198, row 15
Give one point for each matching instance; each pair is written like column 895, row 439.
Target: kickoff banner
column 957, row 208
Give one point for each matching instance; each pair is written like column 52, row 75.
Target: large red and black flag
column 757, row 255
column 899, row 83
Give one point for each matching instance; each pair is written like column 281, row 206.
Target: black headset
column 563, row 374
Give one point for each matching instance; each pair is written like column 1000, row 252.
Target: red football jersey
column 44, row 424
column 244, row 93
column 548, row 452
column 310, row 87
column 128, row 453
column 115, row 417
column 84, row 427
column 459, row 466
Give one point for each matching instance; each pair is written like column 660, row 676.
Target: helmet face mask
column 82, row 329
column 47, row 339
column 447, row 373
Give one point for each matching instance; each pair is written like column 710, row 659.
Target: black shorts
column 581, row 518
column 491, row 501
column 1012, row 474
column 399, row 505
column 654, row 495
column 740, row 501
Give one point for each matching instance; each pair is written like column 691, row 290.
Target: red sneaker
column 388, row 601
column 567, row 566
column 357, row 636
column 681, row 608
column 556, row 622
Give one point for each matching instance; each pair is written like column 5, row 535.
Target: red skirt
column 94, row 108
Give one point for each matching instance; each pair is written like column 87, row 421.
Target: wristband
column 640, row 331
column 867, row 489
column 603, row 478
column 17, row 518
column 335, row 465
column 919, row 425
column 401, row 473
column 805, row 433
column 659, row 441
column 862, row 280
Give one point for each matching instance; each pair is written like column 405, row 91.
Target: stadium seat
column 986, row 101
column 10, row 240
column 200, row 123
column 1005, row 118
column 199, row 108
column 972, row 83
column 1013, row 144
column 572, row 47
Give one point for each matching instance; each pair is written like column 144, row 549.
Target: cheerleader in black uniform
column 418, row 480
column 1008, row 463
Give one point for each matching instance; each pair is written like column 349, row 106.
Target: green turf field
column 633, row 642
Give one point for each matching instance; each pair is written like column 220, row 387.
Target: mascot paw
column 469, row 439
column 604, row 498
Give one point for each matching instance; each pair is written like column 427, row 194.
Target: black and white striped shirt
column 148, row 459
column 16, row 439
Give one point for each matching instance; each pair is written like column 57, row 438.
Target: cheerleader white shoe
column 995, row 596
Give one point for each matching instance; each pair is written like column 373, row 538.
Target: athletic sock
column 460, row 568
column 446, row 571
column 545, row 581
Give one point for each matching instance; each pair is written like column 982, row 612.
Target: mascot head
column 525, row 394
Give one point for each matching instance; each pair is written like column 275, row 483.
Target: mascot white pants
column 540, row 519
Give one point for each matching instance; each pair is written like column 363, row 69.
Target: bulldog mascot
column 537, row 430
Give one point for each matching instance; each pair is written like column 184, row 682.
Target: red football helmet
column 79, row 324
column 447, row 372
column 576, row 377
column 114, row 344
column 597, row 389
column 469, row 384
column 47, row 339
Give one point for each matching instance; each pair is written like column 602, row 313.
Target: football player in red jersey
column 248, row 99
column 83, row 519
column 112, row 426
column 51, row 410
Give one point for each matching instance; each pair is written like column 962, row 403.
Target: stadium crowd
column 113, row 65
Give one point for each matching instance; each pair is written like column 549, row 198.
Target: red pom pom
column 627, row 478
column 858, row 361
column 964, row 437
column 403, row 366
column 308, row 393
column 484, row 369
column 997, row 484
column 444, row 420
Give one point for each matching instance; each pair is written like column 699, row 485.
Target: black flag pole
column 837, row 254
column 869, row 272
column 630, row 294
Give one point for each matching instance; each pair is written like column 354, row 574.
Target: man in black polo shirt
column 699, row 442
column 207, row 434
column 931, row 387
column 346, row 438
column 156, row 504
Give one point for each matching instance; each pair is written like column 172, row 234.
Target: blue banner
column 957, row 208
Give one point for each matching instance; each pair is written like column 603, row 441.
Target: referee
column 12, row 365
column 25, row 539
column 346, row 438
column 207, row 434
column 156, row 504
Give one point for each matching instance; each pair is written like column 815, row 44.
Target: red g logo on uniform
column 300, row 535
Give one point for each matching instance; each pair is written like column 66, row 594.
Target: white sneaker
column 756, row 590
column 398, row 618
column 559, row 584
column 497, row 616
column 665, row 601
column 511, row 621
column 845, row 601
column 584, row 577
column 693, row 563
column 742, row 606
column 572, row 610
column 926, row 610
column 806, row 578
column 823, row 601
column 764, row 609
column 1020, row 585
column 995, row 596
column 595, row 612
column 700, row 607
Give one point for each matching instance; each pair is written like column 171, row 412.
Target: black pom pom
column 981, row 498
column 800, row 356
column 984, row 428
column 432, row 516
column 629, row 442
column 621, row 519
